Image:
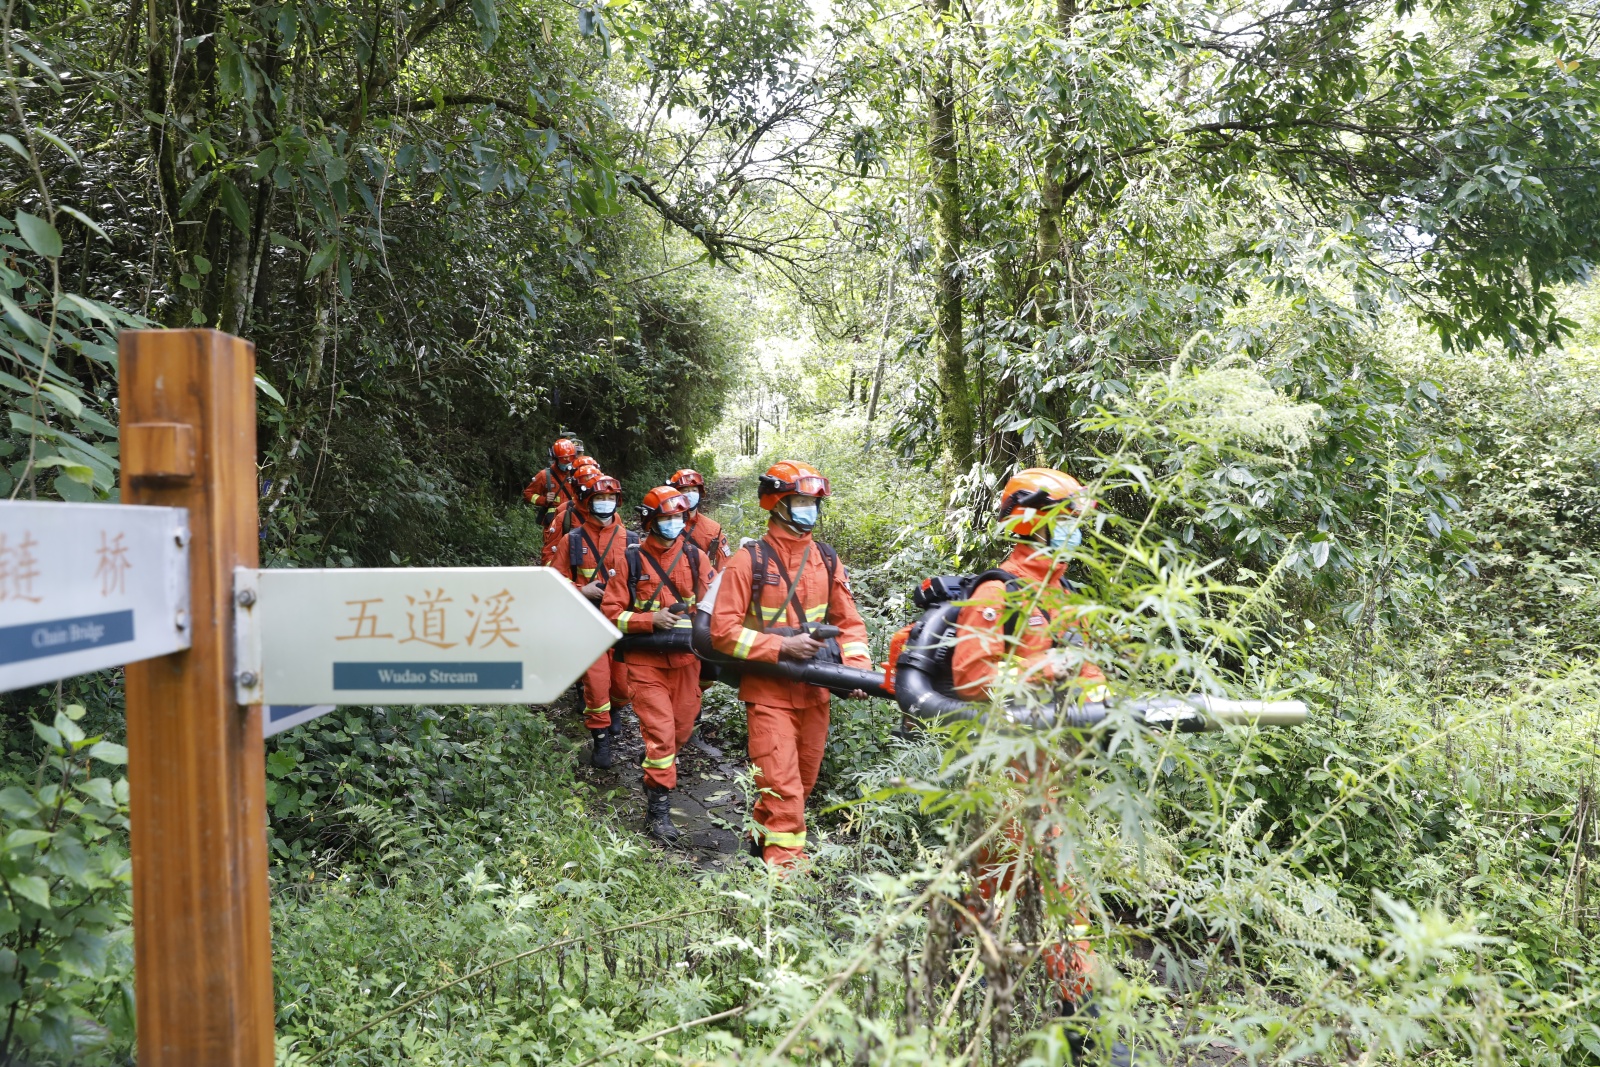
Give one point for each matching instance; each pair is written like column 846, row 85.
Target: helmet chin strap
column 781, row 513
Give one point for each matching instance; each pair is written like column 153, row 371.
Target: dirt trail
column 708, row 805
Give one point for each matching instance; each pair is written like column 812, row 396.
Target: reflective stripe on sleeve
column 623, row 618
column 661, row 764
column 855, row 648
column 746, row 642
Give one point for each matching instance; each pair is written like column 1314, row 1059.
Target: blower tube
column 921, row 700
column 837, row 678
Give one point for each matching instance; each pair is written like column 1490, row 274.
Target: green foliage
column 66, row 954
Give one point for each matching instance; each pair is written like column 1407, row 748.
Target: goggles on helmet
column 804, row 485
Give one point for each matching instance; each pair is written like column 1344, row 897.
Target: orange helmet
column 661, row 502
column 565, row 450
column 787, row 477
column 686, row 479
column 1031, row 497
column 584, row 476
column 585, row 463
column 591, row 484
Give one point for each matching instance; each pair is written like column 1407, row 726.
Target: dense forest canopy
column 1300, row 289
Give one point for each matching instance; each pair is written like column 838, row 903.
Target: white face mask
column 693, row 496
column 603, row 508
column 804, row 515
column 669, row 529
column 1065, row 536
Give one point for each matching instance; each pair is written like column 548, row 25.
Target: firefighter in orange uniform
column 766, row 592
column 665, row 577
column 568, row 515
column 591, row 557
column 554, row 483
column 703, row 530
column 1041, row 510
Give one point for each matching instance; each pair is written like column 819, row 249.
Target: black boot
column 1080, row 1043
column 658, row 815
column 602, row 747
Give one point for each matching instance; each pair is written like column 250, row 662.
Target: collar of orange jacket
column 1032, row 563
column 591, row 520
column 787, row 544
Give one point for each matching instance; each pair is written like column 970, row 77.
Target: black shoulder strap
column 692, row 550
column 635, row 571
column 1012, row 584
column 575, row 541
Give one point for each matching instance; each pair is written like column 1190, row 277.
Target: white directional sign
column 89, row 586
column 448, row 635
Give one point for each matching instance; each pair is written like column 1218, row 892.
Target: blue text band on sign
column 34, row 640
column 424, row 675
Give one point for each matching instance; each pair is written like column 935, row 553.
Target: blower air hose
column 834, row 677
column 921, row 700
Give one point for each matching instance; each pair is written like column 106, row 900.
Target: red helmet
column 1031, row 497
column 565, row 450
column 788, row 477
column 585, row 463
column 661, row 502
column 686, row 479
column 593, row 484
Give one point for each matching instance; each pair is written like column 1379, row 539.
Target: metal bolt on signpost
column 196, row 763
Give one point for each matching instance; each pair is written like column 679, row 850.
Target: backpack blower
column 920, row 664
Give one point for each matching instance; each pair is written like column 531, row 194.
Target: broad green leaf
column 15, row 146
column 194, row 192
column 40, row 235
column 109, row 752
column 18, row 802
column 23, row 838
column 488, row 20
column 59, row 143
column 32, row 887
column 86, row 220
column 78, row 472
column 234, row 207
column 266, row 387
column 65, row 397
column 50, row 734
column 322, row 260
column 70, row 730
column 100, row 790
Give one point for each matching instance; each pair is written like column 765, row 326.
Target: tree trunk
column 956, row 417
column 883, row 346
column 1045, row 285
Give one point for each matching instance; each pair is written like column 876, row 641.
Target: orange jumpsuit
column 666, row 685
column 706, row 533
column 550, row 487
column 569, row 515
column 981, row 646
column 607, row 677
column 788, row 721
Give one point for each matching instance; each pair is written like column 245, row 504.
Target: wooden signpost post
column 196, row 763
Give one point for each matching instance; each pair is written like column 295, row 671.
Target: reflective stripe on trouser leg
column 597, row 693
column 776, row 749
column 665, row 699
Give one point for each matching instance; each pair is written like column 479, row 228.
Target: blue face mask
column 693, row 496
column 669, row 529
column 603, row 508
column 1065, row 536
column 803, row 515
